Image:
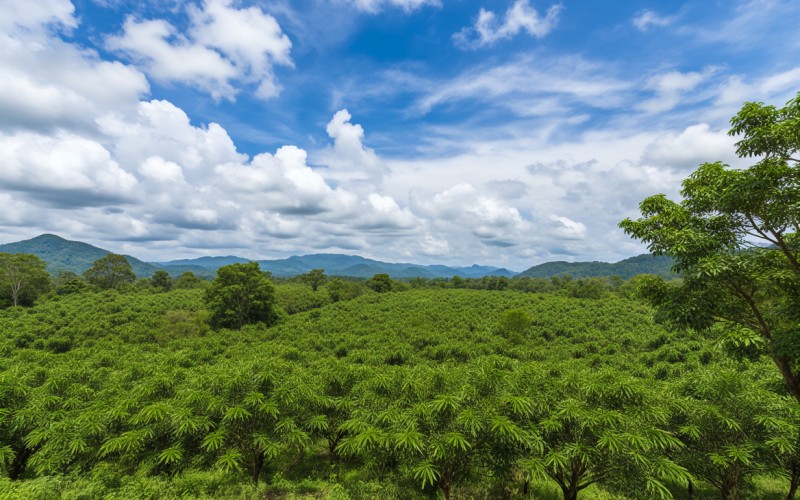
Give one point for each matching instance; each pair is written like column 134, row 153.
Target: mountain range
column 65, row 255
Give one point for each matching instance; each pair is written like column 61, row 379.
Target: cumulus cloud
column 160, row 128
column 47, row 83
column 36, row 16
column 64, row 170
column 489, row 29
column 224, row 47
column 348, row 159
column 690, row 148
column 646, row 19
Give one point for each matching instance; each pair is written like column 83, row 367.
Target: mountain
column 627, row 268
column 208, row 263
column 65, row 255
column 349, row 265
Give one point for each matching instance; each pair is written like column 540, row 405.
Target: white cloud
column 489, row 29
column 670, row 89
column 223, row 49
column 648, row 18
column 373, row 6
column 568, row 228
column 690, row 148
column 35, row 16
column 46, row 83
column 63, row 170
column 571, row 79
column 159, row 128
column 349, row 159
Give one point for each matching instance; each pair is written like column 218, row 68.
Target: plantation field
column 422, row 393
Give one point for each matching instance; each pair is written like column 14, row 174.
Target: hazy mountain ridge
column 76, row 256
column 626, row 268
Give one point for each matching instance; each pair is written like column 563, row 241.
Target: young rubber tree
column 725, row 428
column 606, row 428
column 734, row 237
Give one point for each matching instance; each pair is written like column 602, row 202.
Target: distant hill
column 349, row 265
column 65, row 255
column 641, row 264
column 76, row 256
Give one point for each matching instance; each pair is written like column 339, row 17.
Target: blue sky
column 498, row 132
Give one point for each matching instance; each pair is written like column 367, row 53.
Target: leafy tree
column 315, row 278
column 724, row 426
column 111, row 271
column 23, row 278
column 188, row 280
column 734, row 238
column 381, row 283
column 606, row 428
column 340, row 289
column 67, row 283
column 240, row 294
column 161, row 280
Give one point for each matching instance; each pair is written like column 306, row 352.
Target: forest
column 252, row 386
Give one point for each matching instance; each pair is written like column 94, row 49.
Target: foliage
column 241, row 294
column 110, row 272
column 381, row 283
column 398, row 395
column 161, row 280
column 23, row 278
column 734, row 238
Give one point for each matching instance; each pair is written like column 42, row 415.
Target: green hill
column 65, row 255
column 628, row 268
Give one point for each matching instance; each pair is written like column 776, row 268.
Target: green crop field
column 419, row 393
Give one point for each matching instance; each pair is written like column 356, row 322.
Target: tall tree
column 161, row 280
column 111, row 271
column 734, row 238
column 314, row 278
column 23, row 278
column 239, row 295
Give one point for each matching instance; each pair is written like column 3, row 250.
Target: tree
column 381, row 283
column 161, row 280
column 315, row 278
column 111, row 271
column 240, row 294
column 188, row 280
column 23, row 277
column 734, row 237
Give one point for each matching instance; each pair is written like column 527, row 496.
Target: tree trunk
column 791, row 379
column 570, row 491
column 19, row 464
column 446, row 490
column 256, row 466
column 690, row 490
column 730, row 485
column 794, row 481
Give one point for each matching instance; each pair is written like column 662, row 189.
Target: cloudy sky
column 504, row 132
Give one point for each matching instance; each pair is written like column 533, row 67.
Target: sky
column 498, row 132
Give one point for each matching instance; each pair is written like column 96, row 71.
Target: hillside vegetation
column 411, row 394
